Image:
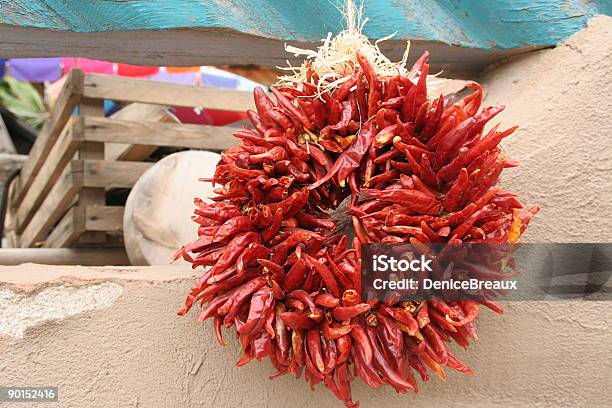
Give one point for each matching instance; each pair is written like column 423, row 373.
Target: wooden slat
column 58, row 157
column 110, row 174
column 10, row 235
column 61, row 197
column 65, row 256
column 68, row 230
column 162, row 93
column 64, row 106
column 79, row 174
column 159, row 134
column 79, row 220
column 103, row 219
column 141, row 112
column 6, row 143
column 93, row 151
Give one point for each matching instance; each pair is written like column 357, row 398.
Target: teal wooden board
column 483, row 24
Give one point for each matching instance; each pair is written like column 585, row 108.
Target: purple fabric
column 185, row 78
column 219, row 81
column 36, row 69
column 2, row 64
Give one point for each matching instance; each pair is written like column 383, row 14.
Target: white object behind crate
column 157, row 218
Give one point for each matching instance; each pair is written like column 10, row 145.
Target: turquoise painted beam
column 468, row 23
column 253, row 31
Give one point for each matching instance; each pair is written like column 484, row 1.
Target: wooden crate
column 58, row 200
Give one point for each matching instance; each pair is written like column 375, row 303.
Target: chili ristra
column 413, row 169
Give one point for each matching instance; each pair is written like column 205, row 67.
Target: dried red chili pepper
column 343, row 313
column 336, row 331
column 382, row 364
column 454, row 196
column 326, row 300
column 297, row 320
column 471, row 309
column 270, row 231
column 325, row 273
column 293, row 110
column 351, row 157
column 413, row 200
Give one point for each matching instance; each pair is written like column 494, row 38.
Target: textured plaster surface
column 19, row 311
column 562, row 101
column 137, row 353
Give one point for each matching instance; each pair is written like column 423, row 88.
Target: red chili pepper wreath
column 415, row 170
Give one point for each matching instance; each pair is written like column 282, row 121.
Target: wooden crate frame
column 58, row 200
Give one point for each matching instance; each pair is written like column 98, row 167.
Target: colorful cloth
column 185, row 78
column 179, row 70
column 218, row 78
column 87, row 65
column 135, row 70
column 36, row 69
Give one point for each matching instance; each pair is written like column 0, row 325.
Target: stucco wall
column 138, row 353
column 562, row 101
column 133, row 351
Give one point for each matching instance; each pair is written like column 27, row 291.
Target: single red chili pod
column 492, row 305
column 212, row 307
column 256, row 121
column 433, row 365
column 261, row 301
column 325, row 273
column 471, row 312
column 326, row 300
column 362, row 344
column 422, row 316
column 231, row 227
column 330, row 354
column 295, row 277
column 436, row 342
column 335, row 331
column 297, row 320
column 303, row 297
column 391, row 335
column 343, row 344
column 277, row 219
column 441, row 321
column 282, row 333
column 295, row 305
column 455, row 195
column 313, row 339
column 297, row 347
column 453, row 362
column 350, row 297
column 343, row 313
column 382, row 364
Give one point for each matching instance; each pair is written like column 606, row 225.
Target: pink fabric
column 87, row 65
